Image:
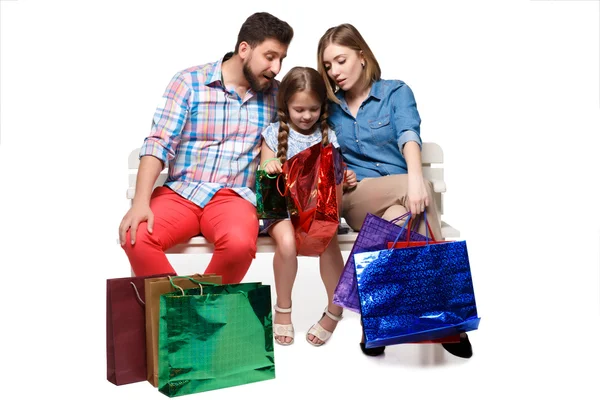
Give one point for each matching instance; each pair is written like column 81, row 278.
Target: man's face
column 262, row 63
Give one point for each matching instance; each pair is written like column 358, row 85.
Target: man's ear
column 243, row 50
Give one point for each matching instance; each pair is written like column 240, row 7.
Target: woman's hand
column 349, row 180
column 417, row 189
column 417, row 194
column 273, row 167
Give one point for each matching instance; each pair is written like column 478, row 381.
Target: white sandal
column 283, row 330
column 319, row 332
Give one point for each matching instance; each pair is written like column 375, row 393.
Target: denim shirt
column 385, row 121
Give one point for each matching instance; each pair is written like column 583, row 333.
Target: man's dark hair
column 261, row 26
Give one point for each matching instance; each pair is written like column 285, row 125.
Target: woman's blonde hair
column 299, row 79
column 347, row 35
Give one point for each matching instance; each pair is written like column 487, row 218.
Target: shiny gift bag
column 154, row 288
column 270, row 198
column 374, row 234
column 215, row 337
column 126, row 330
column 314, row 192
column 415, row 294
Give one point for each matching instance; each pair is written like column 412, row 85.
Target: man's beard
column 253, row 79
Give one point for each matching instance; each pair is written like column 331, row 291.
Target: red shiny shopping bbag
column 314, row 180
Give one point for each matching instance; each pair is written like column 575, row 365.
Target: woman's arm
column 417, row 192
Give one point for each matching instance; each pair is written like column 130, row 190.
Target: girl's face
column 343, row 65
column 304, row 109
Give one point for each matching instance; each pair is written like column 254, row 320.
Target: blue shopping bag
column 374, row 234
column 415, row 294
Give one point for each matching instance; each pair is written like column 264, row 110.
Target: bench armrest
column 439, row 186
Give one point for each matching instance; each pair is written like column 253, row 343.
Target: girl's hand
column 273, row 167
column 349, row 180
column 417, row 194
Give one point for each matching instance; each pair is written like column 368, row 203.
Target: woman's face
column 343, row 65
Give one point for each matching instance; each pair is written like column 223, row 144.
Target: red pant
column 228, row 221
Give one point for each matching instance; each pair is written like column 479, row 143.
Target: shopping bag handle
column 137, row 294
column 428, row 231
column 175, row 286
column 287, row 188
column 408, row 222
column 393, row 221
column 191, row 279
column 264, row 164
column 200, row 283
column 285, row 191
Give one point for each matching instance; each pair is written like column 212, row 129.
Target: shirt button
column 356, row 140
column 354, row 122
column 377, row 164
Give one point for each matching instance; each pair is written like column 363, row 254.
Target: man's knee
column 143, row 240
column 238, row 243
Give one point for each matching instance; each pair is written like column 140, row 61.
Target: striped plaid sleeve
column 169, row 120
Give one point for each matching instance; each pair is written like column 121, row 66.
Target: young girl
column 302, row 111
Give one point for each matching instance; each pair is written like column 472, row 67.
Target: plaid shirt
column 209, row 137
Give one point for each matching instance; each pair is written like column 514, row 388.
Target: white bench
column 431, row 154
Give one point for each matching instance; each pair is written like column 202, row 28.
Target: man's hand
column 130, row 222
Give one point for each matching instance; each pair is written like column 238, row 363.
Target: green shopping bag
column 270, row 200
column 213, row 337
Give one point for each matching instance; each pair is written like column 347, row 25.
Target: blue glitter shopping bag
column 374, row 234
column 415, row 294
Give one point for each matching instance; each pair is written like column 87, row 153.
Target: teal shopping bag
column 213, row 337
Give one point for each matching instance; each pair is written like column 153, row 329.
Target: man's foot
column 462, row 349
column 282, row 326
column 320, row 332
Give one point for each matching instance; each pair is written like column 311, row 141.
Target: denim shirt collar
column 376, row 92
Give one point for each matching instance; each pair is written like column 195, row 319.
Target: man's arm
column 148, row 172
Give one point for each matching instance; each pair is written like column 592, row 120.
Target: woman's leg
column 331, row 265
column 285, row 268
column 386, row 197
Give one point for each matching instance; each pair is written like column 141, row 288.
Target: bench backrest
column 431, row 154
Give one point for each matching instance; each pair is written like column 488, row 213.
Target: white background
column 510, row 90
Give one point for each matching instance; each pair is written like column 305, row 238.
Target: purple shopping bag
column 374, row 234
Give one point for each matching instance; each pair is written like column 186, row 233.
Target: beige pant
column 386, row 197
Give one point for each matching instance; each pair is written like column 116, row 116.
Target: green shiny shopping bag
column 270, row 199
column 213, row 337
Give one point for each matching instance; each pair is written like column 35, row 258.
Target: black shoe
column 462, row 349
column 374, row 351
